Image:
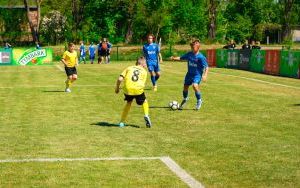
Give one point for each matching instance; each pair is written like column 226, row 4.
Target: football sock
column 185, row 94
column 68, row 83
column 146, row 108
column 198, row 95
column 156, row 77
column 125, row 111
column 153, row 80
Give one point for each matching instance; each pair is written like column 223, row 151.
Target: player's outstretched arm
column 175, row 58
column 119, row 81
column 204, row 75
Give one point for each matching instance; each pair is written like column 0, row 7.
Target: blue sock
column 198, row 95
column 153, row 80
column 156, row 77
column 185, row 94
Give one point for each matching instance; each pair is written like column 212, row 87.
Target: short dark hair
column 70, row 44
column 150, row 35
column 140, row 60
column 194, row 42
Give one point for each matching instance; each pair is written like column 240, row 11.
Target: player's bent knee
column 196, row 87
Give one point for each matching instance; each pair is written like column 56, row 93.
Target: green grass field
column 246, row 134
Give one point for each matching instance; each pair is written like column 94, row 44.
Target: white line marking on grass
column 182, row 174
column 257, row 80
column 76, row 159
column 170, row 163
column 60, row 68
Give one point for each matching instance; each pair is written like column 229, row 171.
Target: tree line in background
column 175, row 21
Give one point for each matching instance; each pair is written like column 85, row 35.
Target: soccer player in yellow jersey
column 134, row 78
column 70, row 60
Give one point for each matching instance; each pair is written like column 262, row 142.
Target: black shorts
column 70, row 70
column 104, row 52
column 140, row 99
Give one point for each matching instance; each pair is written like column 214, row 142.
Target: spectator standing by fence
column 246, row 45
column 104, row 49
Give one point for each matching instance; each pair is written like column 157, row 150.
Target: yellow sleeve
column 64, row 55
column 124, row 73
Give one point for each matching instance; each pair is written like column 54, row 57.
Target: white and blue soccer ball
column 174, row 105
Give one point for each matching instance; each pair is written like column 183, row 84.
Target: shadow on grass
column 296, row 105
column 159, row 107
column 106, row 124
column 54, row 91
column 171, row 109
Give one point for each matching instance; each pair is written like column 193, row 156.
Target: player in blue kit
column 92, row 52
column 153, row 57
column 197, row 71
column 82, row 52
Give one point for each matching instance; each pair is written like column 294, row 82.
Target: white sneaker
column 148, row 121
column 121, row 124
column 68, row 90
column 198, row 104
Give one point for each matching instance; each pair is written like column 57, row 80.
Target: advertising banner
column 5, row 56
column 221, row 58
column 289, row 63
column 32, row 56
column 233, row 58
column 211, row 57
column 257, row 60
column 245, row 55
column 272, row 62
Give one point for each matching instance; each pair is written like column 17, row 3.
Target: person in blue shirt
column 197, row 71
column 37, row 46
column 92, row 50
column 82, row 52
column 153, row 57
column 104, row 49
column 7, row 45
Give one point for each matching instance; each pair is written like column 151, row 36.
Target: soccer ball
column 174, row 105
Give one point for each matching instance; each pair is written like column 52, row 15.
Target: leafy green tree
column 53, row 27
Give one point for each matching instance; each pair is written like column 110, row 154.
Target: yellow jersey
column 134, row 80
column 70, row 58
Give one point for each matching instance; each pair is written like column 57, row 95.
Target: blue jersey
column 92, row 50
column 82, row 50
column 151, row 52
column 196, row 63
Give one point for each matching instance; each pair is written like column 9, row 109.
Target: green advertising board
column 227, row 58
column 32, row 56
column 289, row 63
column 233, row 58
column 5, row 56
column 222, row 57
column 257, row 60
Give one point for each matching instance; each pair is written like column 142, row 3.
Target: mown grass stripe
column 257, row 80
column 170, row 163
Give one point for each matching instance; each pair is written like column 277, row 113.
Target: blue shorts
column 92, row 57
column 192, row 79
column 153, row 67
